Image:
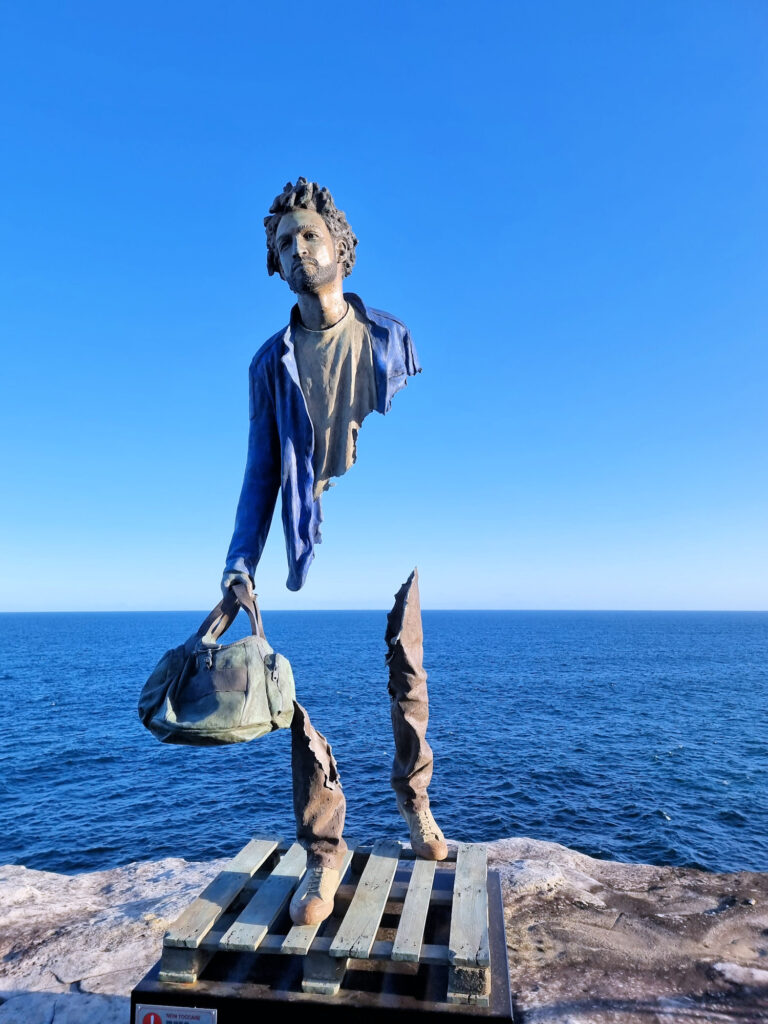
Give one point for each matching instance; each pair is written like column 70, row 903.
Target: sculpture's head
column 309, row 242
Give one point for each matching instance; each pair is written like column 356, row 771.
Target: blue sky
column 566, row 202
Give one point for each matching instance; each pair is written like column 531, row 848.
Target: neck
column 323, row 309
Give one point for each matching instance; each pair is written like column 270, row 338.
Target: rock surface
column 73, row 946
column 589, row 941
column 593, row 941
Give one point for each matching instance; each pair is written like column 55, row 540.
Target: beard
column 309, row 276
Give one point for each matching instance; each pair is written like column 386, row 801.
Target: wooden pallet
column 243, row 910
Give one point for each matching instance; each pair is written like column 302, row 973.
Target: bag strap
column 249, row 602
column 224, row 614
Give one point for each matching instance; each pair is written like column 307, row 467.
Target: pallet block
column 418, row 930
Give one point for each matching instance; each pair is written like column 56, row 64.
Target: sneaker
column 426, row 838
column 313, row 900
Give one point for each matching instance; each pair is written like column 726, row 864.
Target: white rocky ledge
column 589, row 941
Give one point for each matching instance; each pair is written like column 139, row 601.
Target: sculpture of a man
column 311, row 386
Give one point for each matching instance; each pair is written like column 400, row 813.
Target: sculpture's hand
column 230, row 578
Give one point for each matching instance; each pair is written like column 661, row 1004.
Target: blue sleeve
column 261, row 481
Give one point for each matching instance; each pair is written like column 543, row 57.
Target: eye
column 282, row 243
column 310, row 234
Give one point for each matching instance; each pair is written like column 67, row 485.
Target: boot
column 427, row 840
column 313, row 900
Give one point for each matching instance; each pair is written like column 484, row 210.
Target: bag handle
column 248, row 600
column 224, row 614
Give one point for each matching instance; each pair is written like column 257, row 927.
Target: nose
column 299, row 245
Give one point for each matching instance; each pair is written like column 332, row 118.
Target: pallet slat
column 407, row 853
column 431, row 953
column 398, row 892
column 190, row 927
column 410, row 931
column 357, row 931
column 246, row 934
column 468, row 942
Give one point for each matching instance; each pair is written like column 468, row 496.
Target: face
column 306, row 250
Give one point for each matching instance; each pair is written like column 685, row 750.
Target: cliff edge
column 589, row 941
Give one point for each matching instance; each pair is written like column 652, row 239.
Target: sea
column 632, row 736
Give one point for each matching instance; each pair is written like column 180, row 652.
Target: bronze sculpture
column 311, row 386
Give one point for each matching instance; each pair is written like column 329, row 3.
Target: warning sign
column 173, row 1015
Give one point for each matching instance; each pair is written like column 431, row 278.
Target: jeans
column 318, row 799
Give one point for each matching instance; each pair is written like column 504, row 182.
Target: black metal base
column 243, row 987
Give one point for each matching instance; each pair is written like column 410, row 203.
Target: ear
column 273, row 267
column 341, row 250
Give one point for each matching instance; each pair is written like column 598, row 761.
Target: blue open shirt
column 281, row 442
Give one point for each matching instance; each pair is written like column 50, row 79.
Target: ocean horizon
column 629, row 735
column 454, row 611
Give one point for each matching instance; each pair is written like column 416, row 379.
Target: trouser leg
column 318, row 800
column 412, row 768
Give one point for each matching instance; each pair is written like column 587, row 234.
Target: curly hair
column 308, row 195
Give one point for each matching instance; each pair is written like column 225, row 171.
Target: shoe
column 313, row 900
column 427, row 840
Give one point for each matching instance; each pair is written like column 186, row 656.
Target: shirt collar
column 352, row 299
column 288, row 357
